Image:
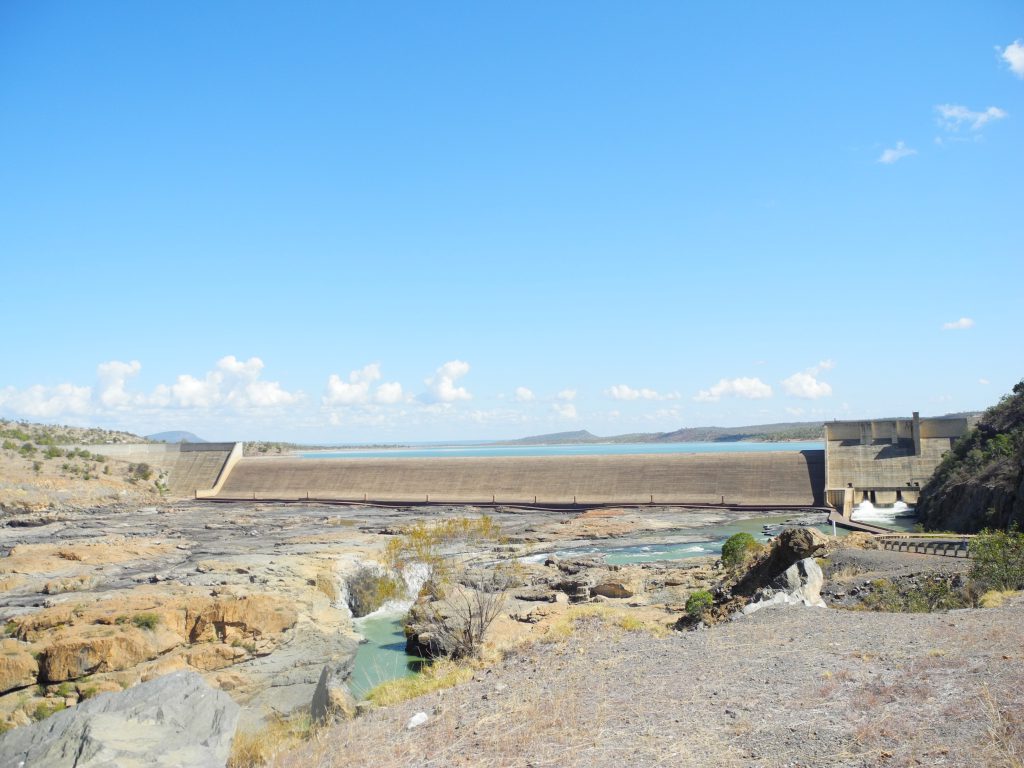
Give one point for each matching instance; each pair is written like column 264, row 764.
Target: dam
column 777, row 478
column 881, row 460
column 885, row 460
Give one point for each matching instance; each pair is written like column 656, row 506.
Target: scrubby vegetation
column 370, row 588
column 739, row 548
column 462, row 602
column 997, row 560
column 938, row 593
column 59, row 434
column 980, row 482
column 146, row 620
column 699, row 603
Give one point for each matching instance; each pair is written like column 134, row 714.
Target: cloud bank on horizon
column 234, row 391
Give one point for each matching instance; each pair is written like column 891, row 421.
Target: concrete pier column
column 916, row 431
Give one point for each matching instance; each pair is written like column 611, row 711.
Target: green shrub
column 699, row 603
column 53, row 452
column 146, row 620
column 935, row 594
column 369, row 589
column 46, row 708
column 997, row 559
column 737, row 548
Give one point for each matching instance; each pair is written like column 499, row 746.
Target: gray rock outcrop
column 175, row 720
column 331, row 699
column 791, row 546
column 800, row 584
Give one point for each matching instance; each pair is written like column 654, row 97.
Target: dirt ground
column 783, row 687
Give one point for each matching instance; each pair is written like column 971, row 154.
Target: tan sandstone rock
column 17, row 666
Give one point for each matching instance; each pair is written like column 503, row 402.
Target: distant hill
column 798, row 430
column 556, row 438
column 793, row 430
column 176, row 436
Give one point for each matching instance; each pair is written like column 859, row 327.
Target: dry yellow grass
column 996, row 597
column 252, row 749
column 623, row 618
column 437, row 676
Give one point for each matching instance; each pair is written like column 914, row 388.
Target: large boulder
column 791, row 546
column 800, row 584
column 174, row 720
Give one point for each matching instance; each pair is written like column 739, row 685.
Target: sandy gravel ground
column 783, row 687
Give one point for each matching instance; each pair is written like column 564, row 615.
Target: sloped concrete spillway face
column 190, row 467
column 782, row 478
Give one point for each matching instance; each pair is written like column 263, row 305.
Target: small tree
column 699, row 603
column 997, row 559
column 737, row 549
column 465, row 602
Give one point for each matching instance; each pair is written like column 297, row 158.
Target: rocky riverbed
column 255, row 597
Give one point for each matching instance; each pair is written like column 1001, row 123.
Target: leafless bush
column 459, row 625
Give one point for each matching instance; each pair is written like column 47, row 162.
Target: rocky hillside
column 60, row 434
column 980, row 483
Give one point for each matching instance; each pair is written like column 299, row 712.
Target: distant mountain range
column 176, row 436
column 795, row 430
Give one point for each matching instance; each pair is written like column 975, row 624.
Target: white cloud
column 233, row 384
column 524, row 394
column 389, row 393
column 565, row 410
column 953, row 116
column 806, row 386
column 825, row 365
column 891, row 155
column 748, row 388
column 355, row 390
column 567, row 394
column 190, row 392
column 1013, row 55
column 626, row 392
column 958, row 325
column 112, row 377
column 266, row 394
column 984, row 381
column 41, row 402
column 442, row 385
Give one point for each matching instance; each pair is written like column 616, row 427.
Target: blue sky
column 359, row 222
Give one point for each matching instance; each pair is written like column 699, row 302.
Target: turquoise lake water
column 595, row 449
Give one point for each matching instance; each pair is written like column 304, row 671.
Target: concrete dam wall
column 783, row 478
column 190, row 467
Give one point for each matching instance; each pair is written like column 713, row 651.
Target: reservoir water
column 586, row 449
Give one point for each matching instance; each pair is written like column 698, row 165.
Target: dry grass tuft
column 437, row 676
column 623, row 618
column 257, row 748
column 994, row 598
